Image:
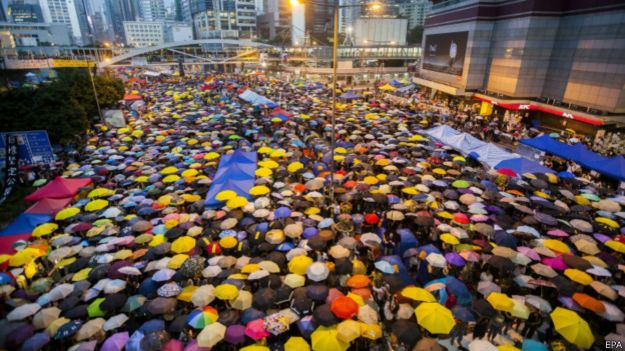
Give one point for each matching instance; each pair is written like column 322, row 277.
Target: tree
column 415, row 35
column 110, row 91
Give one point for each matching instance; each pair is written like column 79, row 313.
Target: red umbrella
column 507, row 171
column 344, row 307
column 461, row 218
column 371, row 218
column 256, row 330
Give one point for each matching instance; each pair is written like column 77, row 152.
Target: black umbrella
column 394, row 282
column 264, row 298
column 277, row 257
column 576, row 262
column 317, row 243
column 76, row 312
column 179, row 324
column 113, row 302
column 565, row 287
column 501, row 263
column 406, row 332
column 98, row 273
column 483, row 308
column 343, row 266
column 324, row 316
column 69, row 302
column 174, row 233
column 317, row 292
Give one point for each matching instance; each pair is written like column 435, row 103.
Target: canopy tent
column 49, row 206
column 132, row 97
column 396, row 83
column 612, row 167
column 20, row 229
column 59, row 188
column 236, row 172
column 255, row 99
column 522, row 165
column 491, row 154
column 441, row 132
column 463, row 142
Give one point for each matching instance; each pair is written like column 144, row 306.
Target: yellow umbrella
column 263, row 172
column 296, row 343
column 348, row 330
column 171, row 178
column 187, row 173
column 169, row 170
column 387, row 87
column 66, row 213
column 177, row 261
column 250, row 268
column 370, row 180
column 211, row 156
column 183, row 244
column 81, row 275
column 236, row 202
column 507, row 347
column 294, row 167
column 259, row 190
column 157, row 240
column 578, row 276
column 370, row 331
column 65, row 262
column 572, row 327
column 225, row 195
column 500, row 301
column 299, row 264
column 44, row 229
column 556, row 245
column 435, row 318
column 607, row 221
column 226, row 292
column 100, row 192
column 255, row 347
column 410, row 190
column 582, row 200
column 326, row 339
column 191, row 197
column 449, row 239
column 141, row 179
column 265, row 150
column 418, row 294
column 615, row 245
column 277, row 153
column 23, row 257
column 271, row 164
column 96, row 205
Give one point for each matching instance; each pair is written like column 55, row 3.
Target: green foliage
column 63, row 108
column 415, row 35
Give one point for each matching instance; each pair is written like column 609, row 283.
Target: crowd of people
column 389, row 241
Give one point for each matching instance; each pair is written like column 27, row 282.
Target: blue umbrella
column 152, row 326
column 309, row 232
column 36, row 342
column 134, row 343
column 68, row 329
column 251, row 314
column 384, row 267
column 533, row 345
column 463, row 313
column 566, row 175
column 282, row 212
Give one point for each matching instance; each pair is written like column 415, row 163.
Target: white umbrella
column 163, row 275
column 211, row 335
column 486, row 287
column 115, row 322
column 203, row 296
column 129, row 270
column 612, row 313
column 115, row 286
column 436, row 260
column 317, row 271
column 259, row 274
column 23, row 311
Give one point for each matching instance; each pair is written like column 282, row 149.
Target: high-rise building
column 185, row 10
column 24, row 11
column 152, row 10
column 70, row 12
column 120, row 12
column 224, row 18
column 275, row 20
column 348, row 15
column 319, row 19
column 140, row 34
column 415, row 11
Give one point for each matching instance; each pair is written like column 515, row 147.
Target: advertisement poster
column 445, row 52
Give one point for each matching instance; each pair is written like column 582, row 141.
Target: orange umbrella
column 344, row 307
column 358, row 281
column 589, row 302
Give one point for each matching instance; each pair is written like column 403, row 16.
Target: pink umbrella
column 529, row 252
column 555, row 263
column 256, row 330
column 333, row 294
column 470, row 256
column 193, row 346
column 558, row 233
column 173, row 345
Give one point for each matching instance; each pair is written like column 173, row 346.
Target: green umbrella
column 591, row 197
column 234, row 137
column 41, row 285
column 133, row 303
column 40, row 182
column 94, row 309
column 101, row 222
column 461, row 184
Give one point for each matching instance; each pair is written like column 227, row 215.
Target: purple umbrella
column 555, row 263
column 173, row 345
column 455, row 259
column 34, row 342
column 569, row 303
column 558, row 233
column 235, row 334
column 115, row 342
column 529, row 252
column 306, row 326
column 601, row 237
column 113, row 271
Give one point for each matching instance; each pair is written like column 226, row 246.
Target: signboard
column 486, row 109
column 10, row 178
column 445, row 52
column 72, row 63
column 32, row 147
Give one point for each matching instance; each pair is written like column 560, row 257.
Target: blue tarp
column 406, row 88
column 464, row 142
column 236, row 172
column 25, row 223
column 350, row 95
column 255, row 99
column 522, row 165
column 492, row 154
column 441, row 132
column 611, row 167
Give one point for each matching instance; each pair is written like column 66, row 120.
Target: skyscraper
column 319, row 19
column 71, row 13
column 152, row 10
column 223, row 18
column 415, row 11
column 121, row 11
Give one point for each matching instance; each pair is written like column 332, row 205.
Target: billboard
column 445, row 52
column 33, row 147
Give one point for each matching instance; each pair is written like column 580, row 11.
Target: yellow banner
column 486, row 109
column 72, row 63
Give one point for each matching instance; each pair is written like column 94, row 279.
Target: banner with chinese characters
column 10, row 178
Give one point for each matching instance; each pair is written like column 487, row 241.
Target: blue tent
column 255, row 99
column 441, row 132
column 463, row 142
column 25, row 223
column 522, row 165
column 613, row 167
column 236, row 172
column 406, row 88
column 492, row 154
column 350, row 95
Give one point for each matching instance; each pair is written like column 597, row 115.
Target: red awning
column 59, row 188
column 49, row 206
column 132, row 97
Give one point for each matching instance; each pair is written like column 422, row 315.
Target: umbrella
column 296, row 343
column 211, row 335
column 572, row 327
column 500, row 302
column 435, row 318
column 406, row 332
column 343, row 307
column 199, row 319
column 256, row 329
column 326, row 339
column 23, row 311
